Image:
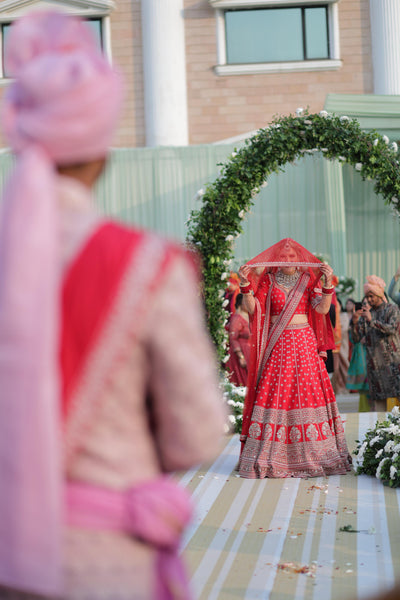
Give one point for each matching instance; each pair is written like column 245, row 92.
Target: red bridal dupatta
column 286, row 253
column 115, row 274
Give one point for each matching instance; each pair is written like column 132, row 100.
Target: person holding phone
column 377, row 324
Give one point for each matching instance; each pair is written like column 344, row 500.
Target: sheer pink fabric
column 61, row 108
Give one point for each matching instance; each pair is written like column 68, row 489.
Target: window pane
column 95, row 26
column 265, row 35
column 5, row 28
column 316, row 33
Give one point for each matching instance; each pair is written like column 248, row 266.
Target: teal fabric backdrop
column 323, row 205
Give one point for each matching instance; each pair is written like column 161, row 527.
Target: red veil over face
column 286, row 253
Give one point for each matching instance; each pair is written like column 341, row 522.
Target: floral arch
column 213, row 228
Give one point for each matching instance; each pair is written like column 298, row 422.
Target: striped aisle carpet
column 250, row 538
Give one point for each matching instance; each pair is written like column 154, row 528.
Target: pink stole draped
column 102, row 305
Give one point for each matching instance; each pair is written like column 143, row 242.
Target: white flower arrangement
column 234, row 397
column 379, row 453
column 199, row 194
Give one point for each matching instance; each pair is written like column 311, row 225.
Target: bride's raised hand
column 328, row 274
column 244, row 274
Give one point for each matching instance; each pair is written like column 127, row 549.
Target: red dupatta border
column 115, row 275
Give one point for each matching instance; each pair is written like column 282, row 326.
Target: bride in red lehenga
column 291, row 423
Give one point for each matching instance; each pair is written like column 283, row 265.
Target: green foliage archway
column 213, row 228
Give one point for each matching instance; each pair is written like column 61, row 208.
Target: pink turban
column 61, row 108
column 376, row 285
column 66, row 97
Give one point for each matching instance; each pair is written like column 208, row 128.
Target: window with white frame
column 94, row 12
column 272, row 35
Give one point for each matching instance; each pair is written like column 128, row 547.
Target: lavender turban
column 65, row 97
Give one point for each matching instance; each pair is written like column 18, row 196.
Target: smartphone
column 357, row 306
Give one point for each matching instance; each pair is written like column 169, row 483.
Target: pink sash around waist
column 155, row 511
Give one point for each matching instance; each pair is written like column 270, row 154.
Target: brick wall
column 225, row 106
column 126, row 39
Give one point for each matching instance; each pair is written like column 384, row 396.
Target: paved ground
column 281, row 539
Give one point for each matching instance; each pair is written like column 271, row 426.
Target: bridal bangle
column 327, row 291
column 245, row 289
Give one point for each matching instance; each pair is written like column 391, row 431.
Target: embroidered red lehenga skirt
column 295, row 429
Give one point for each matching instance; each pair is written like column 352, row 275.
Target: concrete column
column 164, row 68
column 385, row 28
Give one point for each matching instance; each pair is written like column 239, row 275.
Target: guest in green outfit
column 357, row 371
